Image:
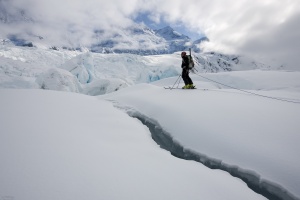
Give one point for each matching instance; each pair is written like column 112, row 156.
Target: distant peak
column 168, row 28
column 170, row 34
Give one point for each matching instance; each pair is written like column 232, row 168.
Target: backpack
column 191, row 62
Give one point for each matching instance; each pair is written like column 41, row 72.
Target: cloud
column 267, row 30
column 71, row 21
column 280, row 44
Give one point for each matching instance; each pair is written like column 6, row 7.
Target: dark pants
column 186, row 78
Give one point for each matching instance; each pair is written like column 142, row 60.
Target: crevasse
column 253, row 180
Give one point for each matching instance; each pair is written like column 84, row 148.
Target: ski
column 170, row 88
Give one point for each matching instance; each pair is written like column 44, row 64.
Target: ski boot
column 185, row 87
column 191, row 86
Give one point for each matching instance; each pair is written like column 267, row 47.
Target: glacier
column 95, row 73
column 233, row 131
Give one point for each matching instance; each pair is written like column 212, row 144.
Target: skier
column 185, row 72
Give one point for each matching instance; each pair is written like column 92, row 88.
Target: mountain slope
column 135, row 39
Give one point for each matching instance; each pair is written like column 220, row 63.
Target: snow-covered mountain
column 179, row 42
column 135, row 39
column 176, row 41
column 141, row 40
column 169, row 34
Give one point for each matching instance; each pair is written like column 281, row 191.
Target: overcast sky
column 268, row 30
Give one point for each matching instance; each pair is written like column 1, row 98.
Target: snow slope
column 58, row 145
column 260, row 136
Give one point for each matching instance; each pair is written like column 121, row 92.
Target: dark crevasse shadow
column 253, row 180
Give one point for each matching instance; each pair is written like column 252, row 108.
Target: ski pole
column 176, row 81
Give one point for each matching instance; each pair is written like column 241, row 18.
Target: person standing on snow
column 185, row 72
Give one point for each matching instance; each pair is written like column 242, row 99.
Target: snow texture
column 258, row 135
column 56, row 145
column 63, row 145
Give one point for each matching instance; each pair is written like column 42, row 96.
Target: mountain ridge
column 135, row 39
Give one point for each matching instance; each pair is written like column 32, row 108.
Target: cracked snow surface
column 165, row 140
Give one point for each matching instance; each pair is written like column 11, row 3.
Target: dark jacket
column 185, row 71
column 185, row 62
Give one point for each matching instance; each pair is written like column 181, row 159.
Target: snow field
column 50, row 141
column 57, row 145
column 251, row 132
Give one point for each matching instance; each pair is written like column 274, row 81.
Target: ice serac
column 57, row 79
column 164, row 139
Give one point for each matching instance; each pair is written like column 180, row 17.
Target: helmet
column 183, row 53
